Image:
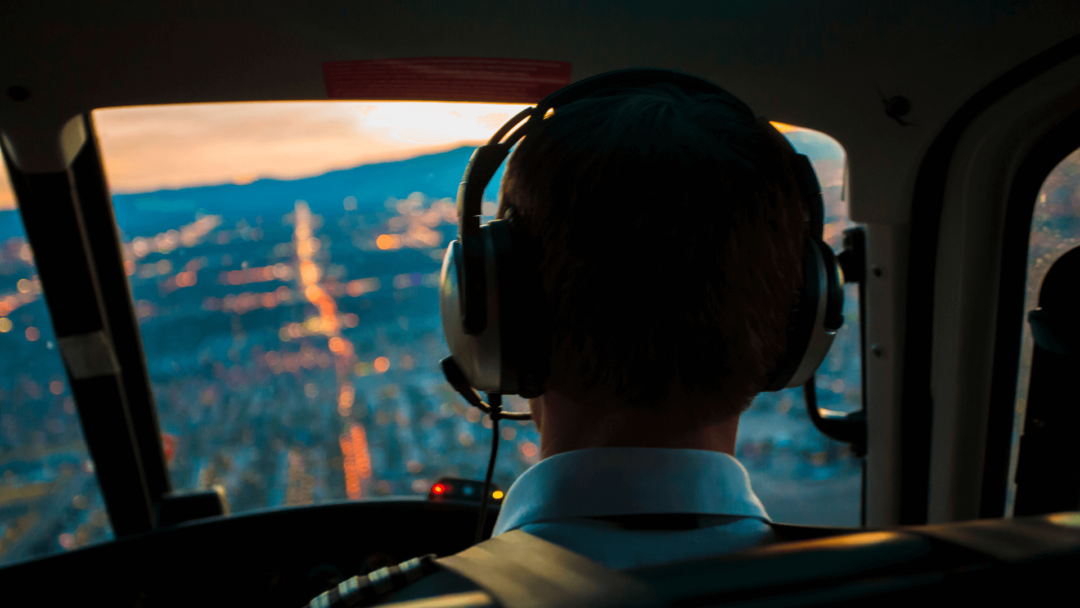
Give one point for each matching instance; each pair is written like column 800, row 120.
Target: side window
column 284, row 259
column 1055, row 229
column 49, row 498
column 800, row 475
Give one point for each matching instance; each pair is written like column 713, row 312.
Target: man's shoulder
column 415, row 578
column 599, row 545
column 439, row 582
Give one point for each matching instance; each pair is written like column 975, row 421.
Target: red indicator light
column 438, row 488
column 168, row 443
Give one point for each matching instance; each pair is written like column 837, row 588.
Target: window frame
column 963, row 195
column 93, row 315
column 930, row 487
column 134, row 481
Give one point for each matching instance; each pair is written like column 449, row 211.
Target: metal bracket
column 88, row 355
column 852, row 258
column 179, row 507
column 847, row 427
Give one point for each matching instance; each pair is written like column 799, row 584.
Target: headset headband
column 487, row 159
column 595, row 86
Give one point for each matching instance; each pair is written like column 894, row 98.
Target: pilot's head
column 669, row 233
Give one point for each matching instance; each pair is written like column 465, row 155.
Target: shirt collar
column 598, row 482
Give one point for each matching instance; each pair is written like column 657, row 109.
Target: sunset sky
column 164, row 147
column 155, row 147
column 150, row 148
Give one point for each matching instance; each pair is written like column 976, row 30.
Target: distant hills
column 436, row 175
column 147, row 213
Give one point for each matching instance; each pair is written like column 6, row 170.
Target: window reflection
column 284, row 260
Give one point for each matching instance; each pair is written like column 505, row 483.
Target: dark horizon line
column 295, row 179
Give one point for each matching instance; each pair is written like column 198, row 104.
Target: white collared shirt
column 550, row 499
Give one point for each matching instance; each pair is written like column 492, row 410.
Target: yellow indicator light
column 497, row 494
column 1065, row 519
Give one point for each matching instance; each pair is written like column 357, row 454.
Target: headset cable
column 493, row 408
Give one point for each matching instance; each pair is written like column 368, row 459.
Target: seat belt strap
column 520, row 570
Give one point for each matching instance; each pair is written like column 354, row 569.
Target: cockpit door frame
column 968, row 371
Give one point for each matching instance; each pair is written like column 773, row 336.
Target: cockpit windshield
column 284, row 258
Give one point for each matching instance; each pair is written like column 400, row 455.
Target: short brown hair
column 670, row 235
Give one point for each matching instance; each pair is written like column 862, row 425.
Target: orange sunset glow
column 7, row 197
column 149, row 148
column 157, row 147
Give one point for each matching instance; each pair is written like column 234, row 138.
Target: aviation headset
column 489, row 283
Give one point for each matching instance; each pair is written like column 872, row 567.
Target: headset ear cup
column 450, row 300
column 479, row 357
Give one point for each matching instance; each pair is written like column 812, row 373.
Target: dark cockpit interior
column 221, row 233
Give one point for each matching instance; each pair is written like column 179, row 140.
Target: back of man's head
column 669, row 234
